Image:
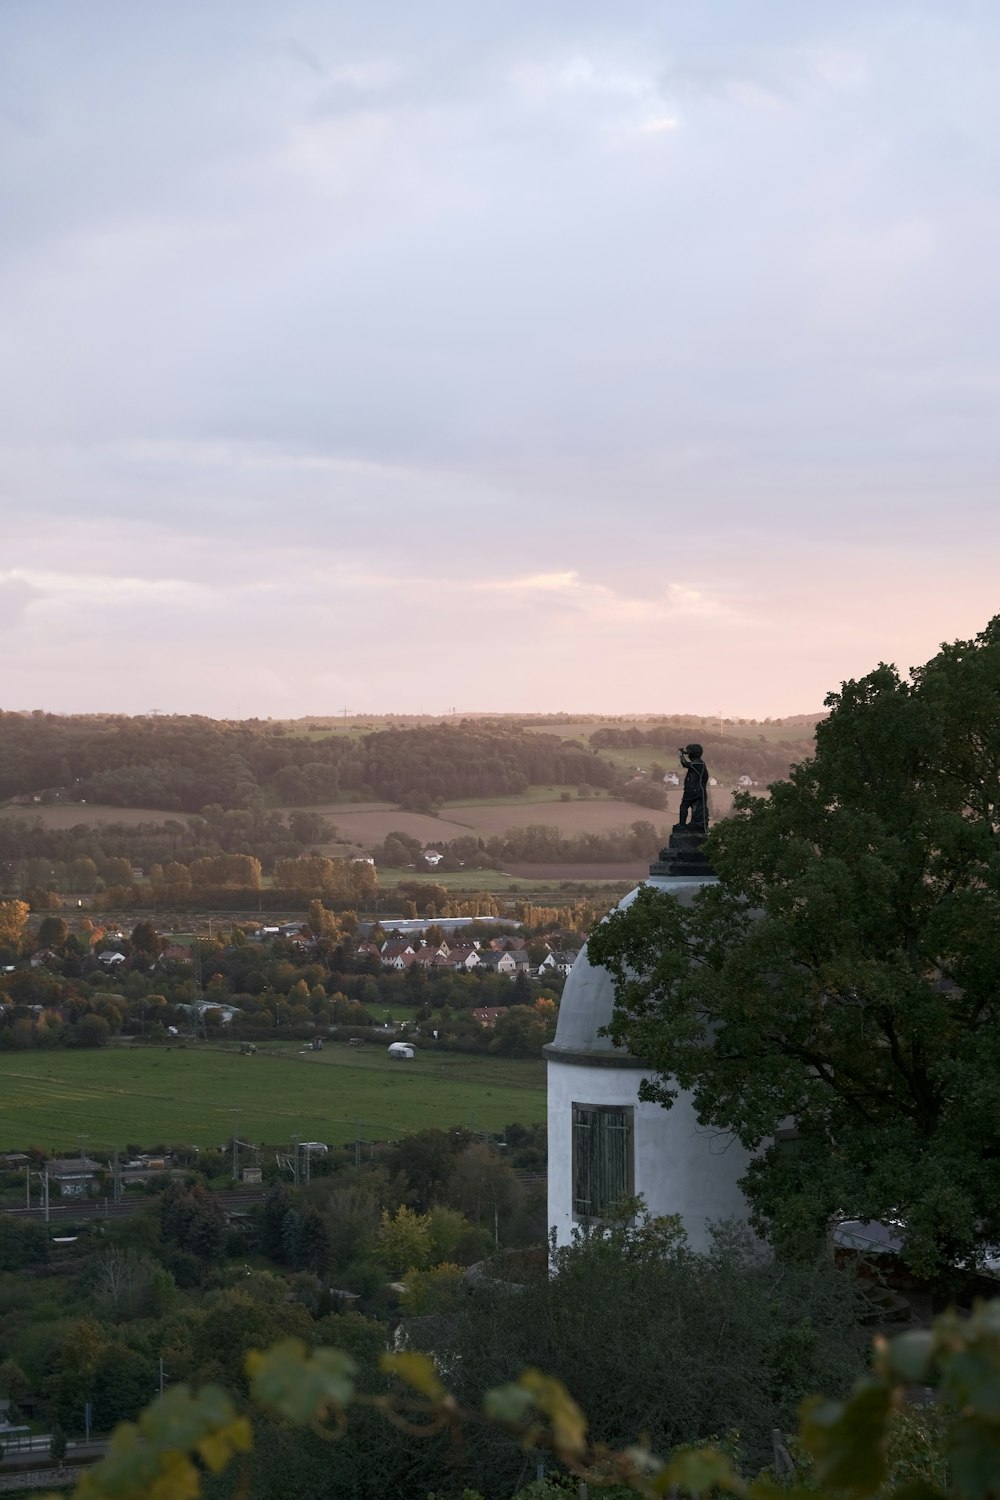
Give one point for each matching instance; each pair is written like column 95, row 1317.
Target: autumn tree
column 13, row 920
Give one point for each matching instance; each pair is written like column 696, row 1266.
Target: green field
column 187, row 1095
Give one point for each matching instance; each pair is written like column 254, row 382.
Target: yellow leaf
column 416, row 1371
column 569, row 1425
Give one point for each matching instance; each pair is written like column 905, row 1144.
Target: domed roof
column 589, row 996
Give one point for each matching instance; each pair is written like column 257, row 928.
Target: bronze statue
column 694, row 799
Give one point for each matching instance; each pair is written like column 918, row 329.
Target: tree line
column 183, row 763
column 727, row 757
column 534, row 843
column 81, row 855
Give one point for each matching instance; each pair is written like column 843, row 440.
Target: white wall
column 681, row 1167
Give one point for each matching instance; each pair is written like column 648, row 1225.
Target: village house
column 426, row 957
column 487, row 1015
column 463, row 959
column 499, row 963
column 392, row 954
column 175, row 953
column 556, row 963
column 45, row 959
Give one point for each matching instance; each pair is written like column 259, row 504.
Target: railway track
column 103, row 1208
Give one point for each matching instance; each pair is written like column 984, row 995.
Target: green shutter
column 602, row 1158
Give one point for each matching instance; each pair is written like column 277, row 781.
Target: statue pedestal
column 683, row 856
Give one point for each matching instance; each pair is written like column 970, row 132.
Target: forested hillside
column 183, row 764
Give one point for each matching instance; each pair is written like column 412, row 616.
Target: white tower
column 604, row 1142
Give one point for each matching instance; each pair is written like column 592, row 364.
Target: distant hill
column 184, row 763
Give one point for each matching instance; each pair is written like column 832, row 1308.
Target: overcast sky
column 407, row 355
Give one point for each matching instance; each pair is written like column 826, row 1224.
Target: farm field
column 370, row 826
column 591, row 815
column 471, row 880
column 187, row 1094
column 612, row 872
column 524, row 878
column 486, row 819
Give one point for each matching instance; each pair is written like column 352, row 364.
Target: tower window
column 603, row 1170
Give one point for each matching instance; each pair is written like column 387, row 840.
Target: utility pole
column 45, row 1192
column 27, row 1188
column 83, row 1139
column 198, row 998
column 357, row 1144
column 117, row 1168
column 295, row 1158
column 236, row 1145
column 307, row 1163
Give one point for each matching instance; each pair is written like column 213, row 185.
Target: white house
column 605, row 1142
column 401, row 1049
column 499, row 963
column 465, row 959
column 557, row 963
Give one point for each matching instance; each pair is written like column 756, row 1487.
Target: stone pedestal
column 683, row 855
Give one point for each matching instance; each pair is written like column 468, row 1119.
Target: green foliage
column 843, row 969
column 846, row 1446
column 433, row 1291
column 649, row 1336
column 403, row 1240
column 22, row 1244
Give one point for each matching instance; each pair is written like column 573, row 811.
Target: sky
column 418, row 355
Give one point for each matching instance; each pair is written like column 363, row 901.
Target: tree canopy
column 841, row 977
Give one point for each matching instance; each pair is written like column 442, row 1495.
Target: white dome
column 589, row 995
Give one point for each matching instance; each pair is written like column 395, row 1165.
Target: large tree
column 842, row 976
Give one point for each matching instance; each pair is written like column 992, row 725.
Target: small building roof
column 72, row 1166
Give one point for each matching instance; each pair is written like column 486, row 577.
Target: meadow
column 522, row 878
column 484, row 819
column 187, row 1095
